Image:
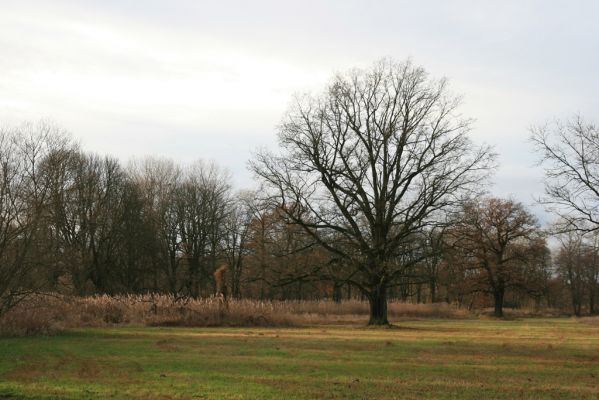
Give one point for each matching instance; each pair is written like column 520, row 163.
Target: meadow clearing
column 529, row 358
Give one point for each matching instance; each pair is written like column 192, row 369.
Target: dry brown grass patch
column 589, row 320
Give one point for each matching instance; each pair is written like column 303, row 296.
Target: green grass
column 448, row 359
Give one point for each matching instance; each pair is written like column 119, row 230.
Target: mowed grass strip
column 428, row 359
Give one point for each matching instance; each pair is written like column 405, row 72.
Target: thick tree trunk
column 172, row 272
column 498, row 295
column 378, row 305
column 576, row 306
column 337, row 292
column 194, row 287
column 433, row 290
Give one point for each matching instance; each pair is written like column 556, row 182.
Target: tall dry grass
column 48, row 313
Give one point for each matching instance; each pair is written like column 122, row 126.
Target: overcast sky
column 211, row 79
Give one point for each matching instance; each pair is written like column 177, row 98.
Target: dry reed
column 48, row 313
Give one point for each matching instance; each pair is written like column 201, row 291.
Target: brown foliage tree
column 498, row 245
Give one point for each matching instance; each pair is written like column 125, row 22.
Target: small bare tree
column 236, row 236
column 577, row 265
column 569, row 263
column 369, row 164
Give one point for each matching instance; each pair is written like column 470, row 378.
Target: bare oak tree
column 236, row 227
column 570, row 154
column 370, row 163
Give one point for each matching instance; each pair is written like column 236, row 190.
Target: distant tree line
column 81, row 224
column 377, row 195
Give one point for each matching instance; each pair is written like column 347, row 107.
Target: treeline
column 81, row 224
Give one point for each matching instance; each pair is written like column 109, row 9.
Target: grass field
column 440, row 359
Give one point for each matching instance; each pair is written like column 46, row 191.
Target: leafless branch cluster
column 570, row 156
